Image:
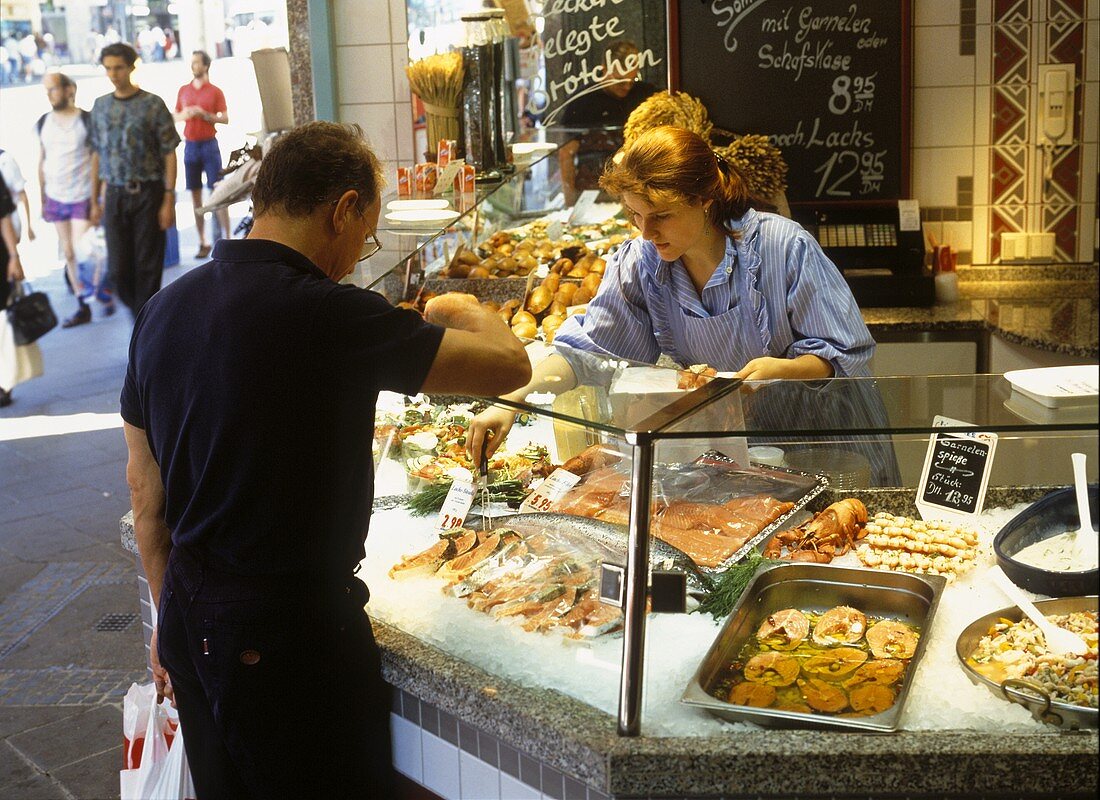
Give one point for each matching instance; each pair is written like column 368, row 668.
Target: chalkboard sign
column 826, row 80
column 956, row 472
column 583, row 44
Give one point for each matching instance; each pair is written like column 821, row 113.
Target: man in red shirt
column 200, row 105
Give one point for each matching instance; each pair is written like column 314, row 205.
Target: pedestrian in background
column 17, row 186
column 134, row 143
column 12, row 269
column 65, row 177
column 200, row 105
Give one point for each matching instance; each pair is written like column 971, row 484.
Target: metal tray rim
column 878, row 723
column 1089, row 717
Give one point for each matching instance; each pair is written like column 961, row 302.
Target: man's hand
column 95, row 213
column 30, row 232
column 161, row 681
column 487, row 432
column 166, row 216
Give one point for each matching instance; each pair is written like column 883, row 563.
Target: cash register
column 883, row 265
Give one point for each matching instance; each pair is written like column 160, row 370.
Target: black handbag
column 30, row 315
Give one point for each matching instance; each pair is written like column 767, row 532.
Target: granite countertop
column 581, row 741
column 1051, row 308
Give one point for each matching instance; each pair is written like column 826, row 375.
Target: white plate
column 528, row 151
column 416, row 205
column 422, row 218
column 1055, row 387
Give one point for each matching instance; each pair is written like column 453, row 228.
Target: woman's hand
column 805, row 367
column 487, row 432
column 15, row 268
column 161, row 680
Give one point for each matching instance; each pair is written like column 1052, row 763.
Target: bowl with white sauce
column 1036, row 548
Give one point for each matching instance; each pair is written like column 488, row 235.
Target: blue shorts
column 200, row 157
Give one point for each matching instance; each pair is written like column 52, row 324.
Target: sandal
column 204, row 251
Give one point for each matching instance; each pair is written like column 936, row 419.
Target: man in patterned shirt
column 133, row 141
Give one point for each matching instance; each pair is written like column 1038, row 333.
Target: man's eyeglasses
column 370, row 247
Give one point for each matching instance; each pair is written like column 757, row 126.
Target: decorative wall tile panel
column 1011, row 45
column 1065, row 9
column 1009, row 121
column 1008, row 170
column 1008, row 11
column 1061, row 220
column 1065, row 176
column 1002, row 220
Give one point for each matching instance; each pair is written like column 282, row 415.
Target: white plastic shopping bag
column 154, row 750
column 174, row 778
column 18, row 363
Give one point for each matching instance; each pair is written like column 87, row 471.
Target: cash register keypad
column 876, row 235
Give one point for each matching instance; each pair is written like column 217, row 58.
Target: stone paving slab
column 66, row 686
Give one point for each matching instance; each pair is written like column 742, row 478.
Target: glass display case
column 677, row 480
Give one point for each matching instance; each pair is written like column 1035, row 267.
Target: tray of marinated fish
column 712, row 509
column 1006, row 653
column 819, row 646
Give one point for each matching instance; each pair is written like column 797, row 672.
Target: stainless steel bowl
column 1023, row 692
column 816, row 587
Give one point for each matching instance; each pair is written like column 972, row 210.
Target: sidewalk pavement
column 70, row 630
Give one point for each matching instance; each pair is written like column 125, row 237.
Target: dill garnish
column 726, row 589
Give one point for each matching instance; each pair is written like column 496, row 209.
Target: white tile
column 1090, row 111
column 985, row 14
column 936, row 12
column 400, row 60
column 479, row 781
column 377, row 121
column 958, row 235
column 399, row 29
column 981, row 162
column 408, row 756
column 441, row 771
column 983, row 122
column 936, row 58
column 403, row 123
column 983, row 54
column 364, row 74
column 980, row 252
column 361, row 21
column 935, row 171
column 512, row 789
column 943, row 117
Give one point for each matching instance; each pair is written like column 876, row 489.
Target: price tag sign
column 447, row 176
column 456, row 506
column 550, row 491
column 956, row 473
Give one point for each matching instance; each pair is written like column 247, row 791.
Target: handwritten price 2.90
column 449, row 523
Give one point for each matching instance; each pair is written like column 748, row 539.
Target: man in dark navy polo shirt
column 249, row 412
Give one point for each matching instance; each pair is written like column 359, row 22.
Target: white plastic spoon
column 1084, row 540
column 1059, row 640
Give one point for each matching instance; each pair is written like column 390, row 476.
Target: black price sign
column 956, row 472
column 826, row 80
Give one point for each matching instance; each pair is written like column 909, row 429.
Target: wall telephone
column 1056, row 104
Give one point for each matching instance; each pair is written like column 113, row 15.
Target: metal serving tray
column 911, row 599
column 1023, row 692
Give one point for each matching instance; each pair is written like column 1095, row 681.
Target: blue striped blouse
column 775, row 293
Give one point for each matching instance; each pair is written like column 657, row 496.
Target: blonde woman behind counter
column 710, row 280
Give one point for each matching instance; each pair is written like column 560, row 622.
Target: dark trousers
column 135, row 242
column 278, row 685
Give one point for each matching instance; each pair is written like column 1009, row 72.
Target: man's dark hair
column 119, row 50
column 64, row 80
column 314, row 164
column 204, row 55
